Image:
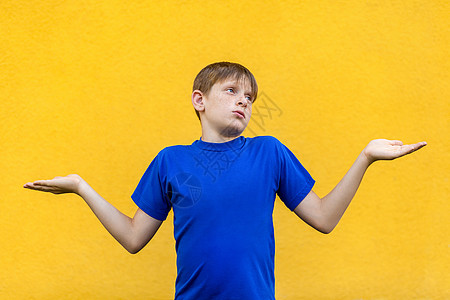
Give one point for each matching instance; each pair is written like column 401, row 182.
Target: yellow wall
column 99, row 87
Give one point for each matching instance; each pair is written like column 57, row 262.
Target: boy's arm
column 324, row 214
column 132, row 233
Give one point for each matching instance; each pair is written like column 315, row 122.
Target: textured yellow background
column 99, row 87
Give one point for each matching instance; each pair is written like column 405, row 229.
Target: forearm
column 118, row 224
column 334, row 204
column 324, row 214
column 132, row 233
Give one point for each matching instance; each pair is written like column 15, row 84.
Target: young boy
column 222, row 189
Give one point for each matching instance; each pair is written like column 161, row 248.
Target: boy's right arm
column 132, row 233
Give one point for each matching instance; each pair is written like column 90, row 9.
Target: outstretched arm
column 324, row 214
column 132, row 233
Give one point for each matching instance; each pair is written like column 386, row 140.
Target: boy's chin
column 232, row 131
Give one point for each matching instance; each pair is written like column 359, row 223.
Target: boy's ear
column 198, row 100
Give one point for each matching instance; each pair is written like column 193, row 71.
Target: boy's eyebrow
column 236, row 83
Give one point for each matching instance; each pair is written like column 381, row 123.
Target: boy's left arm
column 324, row 214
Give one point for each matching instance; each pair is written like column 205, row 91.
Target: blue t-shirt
column 222, row 196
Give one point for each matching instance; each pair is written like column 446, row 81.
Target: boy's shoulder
column 174, row 149
column 265, row 140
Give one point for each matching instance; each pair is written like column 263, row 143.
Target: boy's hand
column 57, row 185
column 385, row 149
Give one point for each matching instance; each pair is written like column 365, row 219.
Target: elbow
column 325, row 230
column 325, row 227
column 321, row 225
column 132, row 248
column 318, row 220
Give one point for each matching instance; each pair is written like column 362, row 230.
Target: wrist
column 365, row 158
column 81, row 187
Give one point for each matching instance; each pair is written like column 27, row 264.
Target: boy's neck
column 216, row 138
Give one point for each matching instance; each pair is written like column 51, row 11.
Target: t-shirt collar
column 234, row 144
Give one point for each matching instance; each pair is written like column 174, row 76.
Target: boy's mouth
column 239, row 113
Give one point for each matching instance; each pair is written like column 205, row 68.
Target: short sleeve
column 294, row 181
column 150, row 194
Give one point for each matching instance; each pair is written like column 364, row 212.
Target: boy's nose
column 242, row 102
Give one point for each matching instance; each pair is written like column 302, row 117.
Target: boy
column 223, row 219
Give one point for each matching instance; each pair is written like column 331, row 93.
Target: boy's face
column 227, row 108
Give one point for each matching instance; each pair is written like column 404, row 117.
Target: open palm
column 382, row 149
column 57, row 185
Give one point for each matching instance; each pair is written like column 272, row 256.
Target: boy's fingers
column 28, row 185
column 418, row 146
column 413, row 147
column 408, row 149
column 422, row 144
column 38, row 188
column 45, row 189
column 45, row 186
column 41, row 182
column 37, row 185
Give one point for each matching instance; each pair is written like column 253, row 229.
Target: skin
column 324, row 214
column 220, row 124
column 216, row 108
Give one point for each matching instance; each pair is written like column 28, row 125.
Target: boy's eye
column 249, row 98
column 230, row 89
